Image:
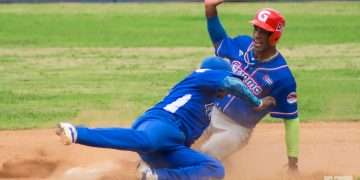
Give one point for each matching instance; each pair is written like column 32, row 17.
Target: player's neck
column 265, row 55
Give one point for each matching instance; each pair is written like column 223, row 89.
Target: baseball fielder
column 264, row 71
column 162, row 136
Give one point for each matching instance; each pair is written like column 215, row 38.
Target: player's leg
column 150, row 135
column 226, row 136
column 184, row 163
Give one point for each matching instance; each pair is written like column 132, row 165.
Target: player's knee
column 217, row 147
column 233, row 141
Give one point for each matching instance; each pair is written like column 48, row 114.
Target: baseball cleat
column 67, row 133
column 144, row 172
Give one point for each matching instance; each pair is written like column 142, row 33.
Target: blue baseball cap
column 215, row 63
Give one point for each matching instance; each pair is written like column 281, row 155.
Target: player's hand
column 293, row 164
column 267, row 102
column 213, row 3
column 66, row 132
column 210, row 7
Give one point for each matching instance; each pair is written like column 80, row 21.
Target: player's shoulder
column 279, row 70
column 279, row 60
column 284, row 77
column 287, row 72
column 243, row 40
column 277, row 64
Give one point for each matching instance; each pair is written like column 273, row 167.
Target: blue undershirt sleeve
column 216, row 30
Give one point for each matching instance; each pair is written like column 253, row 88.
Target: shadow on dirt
column 28, row 168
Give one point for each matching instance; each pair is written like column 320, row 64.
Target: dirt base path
column 327, row 149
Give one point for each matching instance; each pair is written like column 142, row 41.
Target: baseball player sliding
column 264, row 71
column 163, row 135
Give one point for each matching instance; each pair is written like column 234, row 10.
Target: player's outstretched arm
column 215, row 29
column 236, row 87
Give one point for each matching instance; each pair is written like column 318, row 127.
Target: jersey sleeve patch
column 286, row 101
column 291, row 98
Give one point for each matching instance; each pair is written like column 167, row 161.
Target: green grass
column 71, row 61
column 43, row 86
column 166, row 24
column 329, row 94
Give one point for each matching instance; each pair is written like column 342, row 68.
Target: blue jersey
column 270, row 78
column 191, row 99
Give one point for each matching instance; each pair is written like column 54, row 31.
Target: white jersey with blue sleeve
column 270, row 78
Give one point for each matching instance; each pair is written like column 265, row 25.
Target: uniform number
column 174, row 106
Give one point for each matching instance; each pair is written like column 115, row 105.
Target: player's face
column 261, row 39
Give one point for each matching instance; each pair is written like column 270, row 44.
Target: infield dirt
column 327, row 149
